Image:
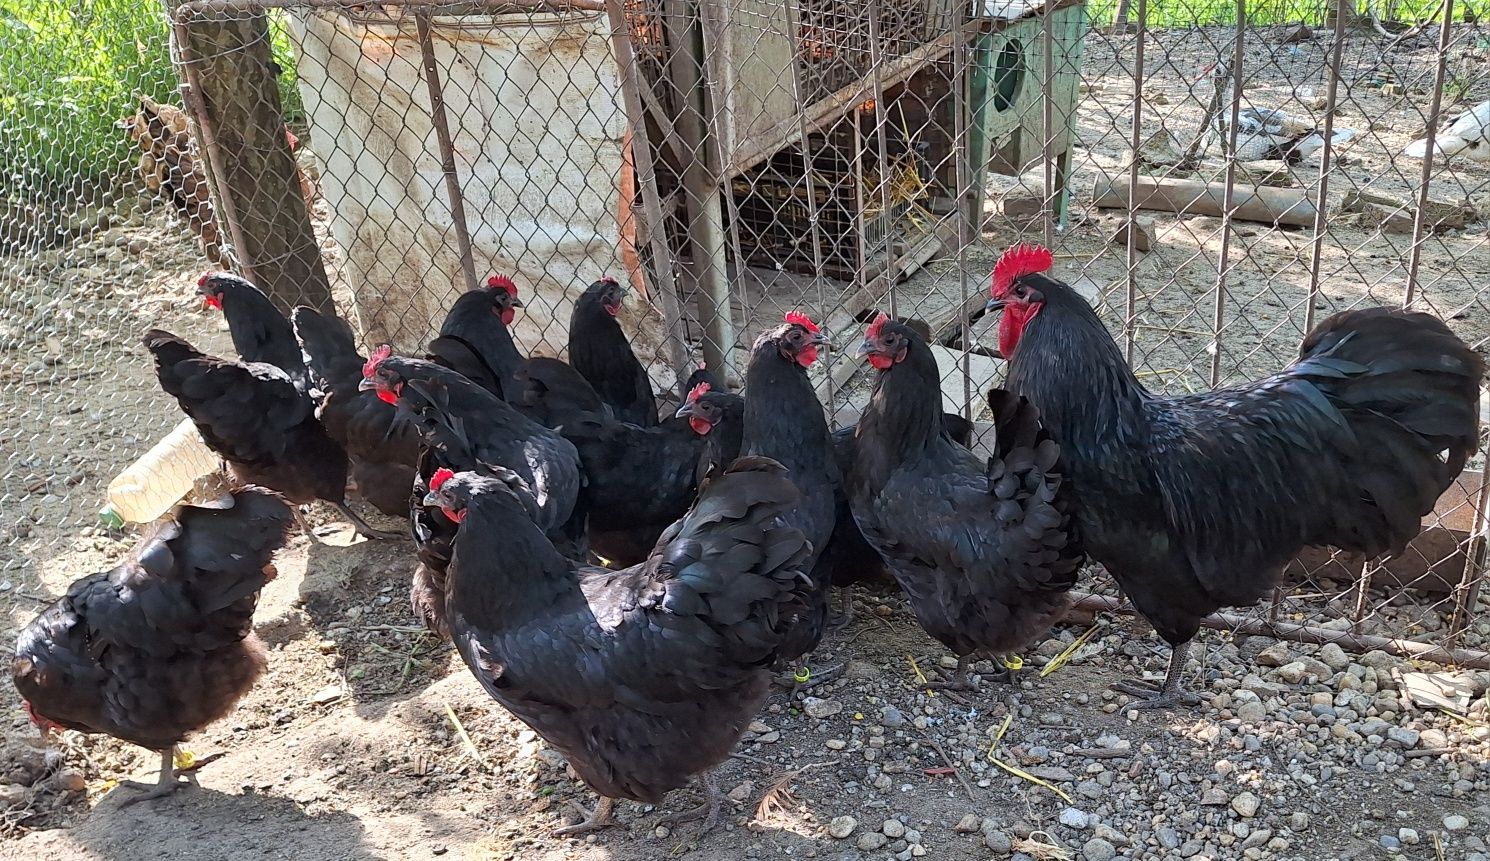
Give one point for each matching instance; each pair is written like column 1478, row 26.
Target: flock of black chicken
column 626, row 586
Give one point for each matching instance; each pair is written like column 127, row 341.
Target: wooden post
column 233, row 79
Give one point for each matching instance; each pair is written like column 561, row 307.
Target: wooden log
column 233, row 79
column 1290, row 206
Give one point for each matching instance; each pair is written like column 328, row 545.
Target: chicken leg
column 793, row 681
column 165, row 785
column 603, row 816
column 843, row 619
column 1171, row 694
column 709, row 811
column 363, row 529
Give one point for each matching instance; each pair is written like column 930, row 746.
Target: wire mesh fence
column 1215, row 179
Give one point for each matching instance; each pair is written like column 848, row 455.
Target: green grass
column 69, row 70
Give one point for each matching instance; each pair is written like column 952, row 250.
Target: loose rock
column 1245, row 805
column 842, row 826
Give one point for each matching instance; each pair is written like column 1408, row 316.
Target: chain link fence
column 733, row 161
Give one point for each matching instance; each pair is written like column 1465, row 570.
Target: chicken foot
column 845, row 617
column 961, row 680
column 792, row 680
column 709, row 811
column 603, row 816
column 167, row 784
column 1169, row 695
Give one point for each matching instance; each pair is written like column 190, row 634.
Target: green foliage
column 69, row 70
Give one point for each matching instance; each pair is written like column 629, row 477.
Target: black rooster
column 257, row 420
column 474, row 339
column 598, row 349
column 383, row 450
column 163, row 644
column 986, row 552
column 642, row 677
column 1197, row 502
column 467, row 428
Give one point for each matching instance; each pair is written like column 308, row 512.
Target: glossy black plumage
column 255, row 418
column 383, row 450
column 598, row 349
column 985, row 551
column 1198, row 502
column 784, row 421
column 641, row 677
column 161, row 645
column 637, row 480
column 465, row 427
column 260, row 331
column 474, row 341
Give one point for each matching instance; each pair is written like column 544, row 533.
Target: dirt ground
column 354, row 746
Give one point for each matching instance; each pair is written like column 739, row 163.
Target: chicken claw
column 1169, row 695
column 166, row 785
column 600, row 818
column 363, row 529
column 709, row 811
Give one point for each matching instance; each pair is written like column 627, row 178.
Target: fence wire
column 731, row 162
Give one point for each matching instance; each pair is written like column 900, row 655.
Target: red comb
column 698, row 391
column 800, row 319
column 441, row 476
column 377, row 356
column 291, row 139
column 201, row 281
column 879, row 323
column 502, row 282
column 1017, row 262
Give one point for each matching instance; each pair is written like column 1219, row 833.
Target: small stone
column 1097, row 849
column 818, row 708
column 835, row 744
column 871, row 840
column 758, row 727
column 1299, row 821
column 328, row 695
column 70, row 780
column 1073, row 818
column 1455, row 822
column 661, row 832
column 969, row 824
column 1214, row 797
column 1408, row 836
column 740, row 794
column 891, row 717
column 893, row 829
column 842, row 826
column 1334, row 657
column 1387, row 841
column 1403, row 737
column 1275, row 655
column 1252, row 712
column 999, row 842
column 1292, row 672
column 769, row 738
column 1245, row 805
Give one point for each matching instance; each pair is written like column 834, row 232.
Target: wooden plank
column 983, row 370
column 239, row 99
column 1190, row 197
column 835, row 106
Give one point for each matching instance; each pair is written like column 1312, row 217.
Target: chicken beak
column 994, row 305
column 820, row 339
column 430, row 500
column 516, row 303
column 684, row 411
column 367, row 385
column 864, row 349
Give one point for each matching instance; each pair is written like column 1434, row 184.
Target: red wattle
column 455, row 516
column 700, row 425
column 807, row 356
column 1011, row 327
column 879, row 362
column 508, row 316
column 387, row 397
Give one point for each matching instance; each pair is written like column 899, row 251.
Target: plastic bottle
column 160, row 478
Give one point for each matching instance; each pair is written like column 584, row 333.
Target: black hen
column 598, row 349
column 383, row 450
column 785, row 422
column 255, row 418
column 1197, row 502
column 637, row 480
column 260, row 332
column 642, row 677
column 985, row 552
column 464, row 427
column 718, row 416
column 474, row 340
column 163, row 644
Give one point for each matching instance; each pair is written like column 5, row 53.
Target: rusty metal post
column 447, row 147
column 1130, row 297
column 1415, row 253
column 1228, row 209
